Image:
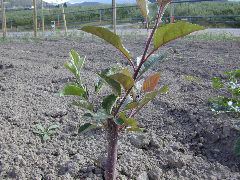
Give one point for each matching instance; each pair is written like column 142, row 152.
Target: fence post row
column 43, row 26
column 103, row 15
column 4, row 19
column 35, row 18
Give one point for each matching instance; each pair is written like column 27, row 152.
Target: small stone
column 90, row 168
column 69, row 167
column 201, row 139
column 12, row 174
column 73, row 168
column 2, row 88
column 57, row 113
column 175, row 146
column 101, row 162
column 1, row 167
column 55, row 67
column 98, row 171
column 175, row 161
column 9, row 66
column 19, row 160
column 155, row 174
column 155, row 142
column 140, row 141
column 200, row 145
column 72, row 152
column 49, row 177
column 226, row 131
column 122, row 177
column 77, row 157
column 143, row 176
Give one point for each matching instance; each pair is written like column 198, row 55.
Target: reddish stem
column 112, row 128
column 148, row 43
column 112, row 136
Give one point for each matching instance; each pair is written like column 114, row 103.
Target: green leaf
column 45, row 137
column 237, row 147
column 131, row 105
column 126, row 81
column 100, row 115
column 126, row 72
column 116, row 87
column 83, row 104
column 109, row 37
column 173, row 31
column 131, row 122
column 119, row 121
column 72, row 90
column 53, row 127
column 109, row 102
column 72, row 69
column 221, row 104
column 233, row 74
column 76, row 59
column 75, row 64
column 135, row 129
column 163, row 90
column 86, row 127
column 147, row 98
column 40, row 127
column 128, row 122
column 143, row 5
column 217, row 83
column 98, row 85
column 153, row 59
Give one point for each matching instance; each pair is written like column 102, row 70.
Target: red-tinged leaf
column 151, row 82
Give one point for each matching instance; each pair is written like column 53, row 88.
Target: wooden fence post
column 43, row 24
column 64, row 20
column 35, row 18
column 172, row 13
column 114, row 15
column 4, row 20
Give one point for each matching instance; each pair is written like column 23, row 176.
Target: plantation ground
column 183, row 138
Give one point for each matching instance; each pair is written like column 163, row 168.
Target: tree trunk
column 112, row 137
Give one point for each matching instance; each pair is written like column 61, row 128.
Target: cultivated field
column 183, row 138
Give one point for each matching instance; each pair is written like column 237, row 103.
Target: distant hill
column 85, row 4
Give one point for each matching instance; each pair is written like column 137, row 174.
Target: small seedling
column 130, row 91
column 229, row 103
column 191, row 78
column 45, row 133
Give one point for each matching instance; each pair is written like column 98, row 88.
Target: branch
column 158, row 18
column 159, row 15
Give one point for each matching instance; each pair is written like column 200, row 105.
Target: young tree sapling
column 118, row 109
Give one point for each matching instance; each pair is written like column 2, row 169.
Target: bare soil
column 183, row 138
